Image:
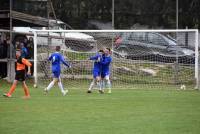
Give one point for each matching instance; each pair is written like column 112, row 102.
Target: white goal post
column 162, row 63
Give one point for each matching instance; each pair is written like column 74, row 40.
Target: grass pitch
column 125, row 111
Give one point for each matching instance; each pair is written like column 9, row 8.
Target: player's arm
column 29, row 70
column 47, row 60
column 66, row 63
column 50, row 58
column 28, row 64
column 106, row 61
column 94, row 57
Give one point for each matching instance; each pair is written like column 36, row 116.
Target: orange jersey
column 22, row 63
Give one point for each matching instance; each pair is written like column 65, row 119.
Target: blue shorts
column 96, row 74
column 105, row 74
column 56, row 74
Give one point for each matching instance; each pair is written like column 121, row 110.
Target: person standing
column 56, row 59
column 20, row 75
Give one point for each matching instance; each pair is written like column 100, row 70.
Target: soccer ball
column 183, row 87
column 35, row 86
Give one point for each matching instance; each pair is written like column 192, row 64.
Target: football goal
column 140, row 58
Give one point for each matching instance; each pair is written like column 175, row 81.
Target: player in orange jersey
column 20, row 74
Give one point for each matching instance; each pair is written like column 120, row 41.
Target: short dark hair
column 57, row 48
column 101, row 50
column 18, row 47
column 21, row 44
column 108, row 49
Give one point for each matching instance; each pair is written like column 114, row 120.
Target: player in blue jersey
column 105, row 73
column 56, row 59
column 96, row 71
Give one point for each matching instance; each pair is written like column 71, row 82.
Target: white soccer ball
column 183, row 87
column 35, row 86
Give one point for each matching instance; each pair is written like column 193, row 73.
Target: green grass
column 125, row 111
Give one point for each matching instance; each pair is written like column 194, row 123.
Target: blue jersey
column 56, row 58
column 105, row 62
column 24, row 52
column 97, row 64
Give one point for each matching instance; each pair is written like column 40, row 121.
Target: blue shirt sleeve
column 50, row 58
column 94, row 57
column 66, row 63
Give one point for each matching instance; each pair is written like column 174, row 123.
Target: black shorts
column 20, row 75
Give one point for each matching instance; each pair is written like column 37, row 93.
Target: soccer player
column 56, row 59
column 20, row 74
column 96, row 72
column 105, row 73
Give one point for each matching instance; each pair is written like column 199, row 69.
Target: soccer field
column 125, row 111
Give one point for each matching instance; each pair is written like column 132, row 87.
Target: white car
column 75, row 41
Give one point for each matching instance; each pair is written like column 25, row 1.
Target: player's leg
column 52, row 83
column 102, row 83
column 91, row 86
column 19, row 76
column 98, row 81
column 108, row 83
column 12, row 89
column 60, row 85
column 26, row 90
column 95, row 75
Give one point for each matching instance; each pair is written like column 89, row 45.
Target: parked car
column 151, row 46
column 75, row 41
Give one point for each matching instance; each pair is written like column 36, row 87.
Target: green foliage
column 150, row 13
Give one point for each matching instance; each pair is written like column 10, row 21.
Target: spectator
column 25, row 42
column 1, row 49
column 17, row 43
column 30, row 48
column 24, row 50
column 5, row 48
column 3, row 55
column 9, row 48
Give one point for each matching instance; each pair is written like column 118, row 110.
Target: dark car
column 152, row 46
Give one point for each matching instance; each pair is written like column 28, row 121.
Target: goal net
column 140, row 58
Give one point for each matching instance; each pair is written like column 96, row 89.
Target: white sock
column 109, row 84
column 50, row 85
column 91, row 86
column 102, row 84
column 61, row 87
column 99, row 85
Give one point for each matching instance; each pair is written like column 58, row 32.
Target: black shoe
column 89, row 91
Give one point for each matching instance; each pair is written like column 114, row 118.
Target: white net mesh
column 140, row 59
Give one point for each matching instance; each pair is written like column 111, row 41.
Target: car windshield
column 170, row 40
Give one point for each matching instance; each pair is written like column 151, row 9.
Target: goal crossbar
column 118, row 31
